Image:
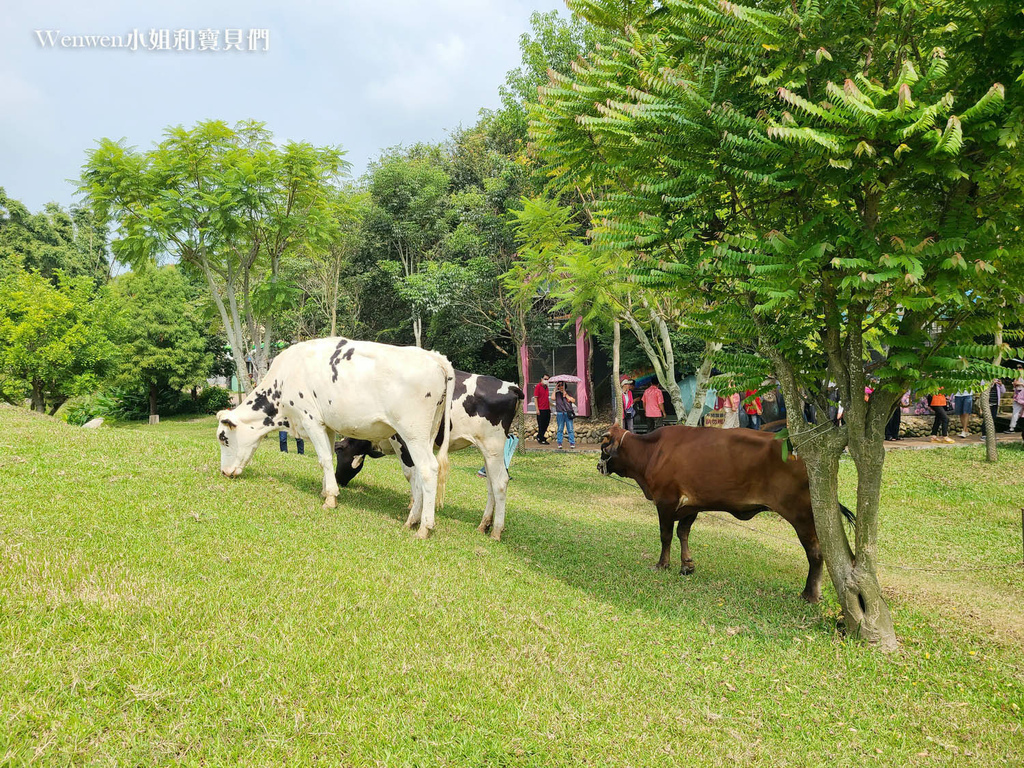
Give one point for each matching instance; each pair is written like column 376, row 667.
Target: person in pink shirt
column 654, row 405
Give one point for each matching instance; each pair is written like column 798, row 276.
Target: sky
column 365, row 74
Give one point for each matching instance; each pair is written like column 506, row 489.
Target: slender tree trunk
column 38, row 398
column 662, row 370
column 56, row 404
column 616, row 382
column 231, row 330
column 154, row 417
column 991, row 450
column 518, row 339
column 703, row 376
column 417, row 329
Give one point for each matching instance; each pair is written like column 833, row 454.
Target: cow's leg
column 684, row 542
column 325, row 454
column 415, row 487
column 425, row 473
column 497, row 488
column 809, row 538
column 666, row 518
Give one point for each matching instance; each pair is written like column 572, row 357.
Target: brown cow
column 687, row 470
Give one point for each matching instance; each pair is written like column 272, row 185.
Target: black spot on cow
column 300, row 394
column 291, row 402
column 427, row 395
column 487, row 403
column 285, row 424
column 262, row 403
column 348, row 353
column 461, row 377
column 404, row 454
column 223, row 438
column 335, row 357
column 440, row 434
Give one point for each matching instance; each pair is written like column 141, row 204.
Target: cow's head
column 610, row 445
column 237, row 443
column 351, row 454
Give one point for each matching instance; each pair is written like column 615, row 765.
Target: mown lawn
column 153, row 612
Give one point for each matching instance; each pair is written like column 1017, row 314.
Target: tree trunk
column 56, row 404
column 518, row 339
column 235, row 340
column 703, row 376
column 38, row 398
column 417, row 330
column 991, row 451
column 663, row 371
column 865, row 612
column 154, row 417
column 616, row 383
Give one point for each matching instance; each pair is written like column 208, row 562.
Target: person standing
column 892, row 428
column 564, row 414
column 300, row 444
column 731, row 404
column 654, row 404
column 940, row 427
column 1018, row 399
column 752, row 406
column 542, row 397
column 628, row 409
column 963, row 406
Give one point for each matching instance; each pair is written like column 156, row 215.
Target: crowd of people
column 751, row 408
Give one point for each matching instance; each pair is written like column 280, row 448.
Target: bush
column 132, row 405
column 80, row 410
column 213, row 399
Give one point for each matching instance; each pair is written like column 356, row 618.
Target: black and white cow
column 482, row 414
column 330, row 387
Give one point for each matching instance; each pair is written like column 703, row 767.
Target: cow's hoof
column 330, row 502
column 810, row 597
column 688, row 568
column 659, row 566
column 423, row 532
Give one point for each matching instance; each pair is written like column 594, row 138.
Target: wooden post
column 1022, row 529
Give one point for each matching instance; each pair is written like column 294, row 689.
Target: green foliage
column 54, row 240
column 80, row 410
column 805, row 169
column 226, row 204
column 161, row 334
column 54, row 340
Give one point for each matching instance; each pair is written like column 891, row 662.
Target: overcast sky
column 366, row 74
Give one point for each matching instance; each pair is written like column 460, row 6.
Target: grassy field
column 153, row 612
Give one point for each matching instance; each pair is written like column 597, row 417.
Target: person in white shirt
column 963, row 405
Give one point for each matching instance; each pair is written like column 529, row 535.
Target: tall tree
column 55, row 239
column 161, row 338
column 227, row 203
column 842, row 179
column 54, row 340
column 409, row 190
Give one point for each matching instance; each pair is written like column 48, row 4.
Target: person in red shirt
column 542, row 397
column 752, row 406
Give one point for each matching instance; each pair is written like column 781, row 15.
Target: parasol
column 567, row 378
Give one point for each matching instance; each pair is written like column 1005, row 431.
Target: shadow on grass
column 738, row 578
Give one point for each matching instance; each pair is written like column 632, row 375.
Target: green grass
column 153, row 612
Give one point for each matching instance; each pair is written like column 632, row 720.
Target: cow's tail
column 446, row 422
column 847, row 513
